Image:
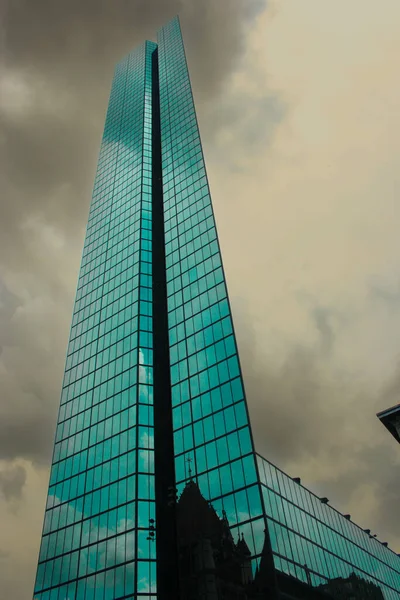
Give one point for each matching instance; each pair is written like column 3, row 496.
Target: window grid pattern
column 212, row 436
column 304, row 530
column 101, row 490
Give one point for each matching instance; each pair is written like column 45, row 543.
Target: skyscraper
column 153, row 405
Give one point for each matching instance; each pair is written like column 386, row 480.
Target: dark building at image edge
column 390, row 418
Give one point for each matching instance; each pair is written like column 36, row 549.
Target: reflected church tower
column 212, row 565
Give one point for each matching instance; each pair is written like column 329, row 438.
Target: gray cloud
column 33, row 346
column 60, row 57
column 296, row 407
column 249, row 122
column 28, row 435
column 81, row 42
column 323, row 319
column 387, row 295
column 12, row 481
column 9, row 303
column 372, row 468
column 58, row 62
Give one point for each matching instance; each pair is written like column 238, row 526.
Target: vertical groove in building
column 166, row 537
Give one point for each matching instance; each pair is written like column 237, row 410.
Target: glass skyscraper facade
column 210, row 421
column 153, row 398
column 313, row 542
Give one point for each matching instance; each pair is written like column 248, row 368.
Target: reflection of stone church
column 215, row 566
column 352, row 588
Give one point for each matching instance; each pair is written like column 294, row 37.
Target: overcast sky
column 299, row 113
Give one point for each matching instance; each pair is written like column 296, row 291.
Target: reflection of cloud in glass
column 146, row 547
column 146, row 511
column 146, row 577
column 146, row 461
column 143, row 370
column 242, row 516
column 53, row 500
column 143, row 585
column 146, row 394
column 120, row 549
column 146, row 440
column 125, row 524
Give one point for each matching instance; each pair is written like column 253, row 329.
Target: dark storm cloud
column 57, row 64
column 27, row 434
column 36, row 167
column 65, row 53
column 81, row 41
column 12, row 481
column 30, row 384
column 62, row 161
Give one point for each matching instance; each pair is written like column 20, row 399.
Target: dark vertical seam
column 164, row 460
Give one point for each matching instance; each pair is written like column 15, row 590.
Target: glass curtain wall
column 212, row 436
column 101, row 493
column 311, row 540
